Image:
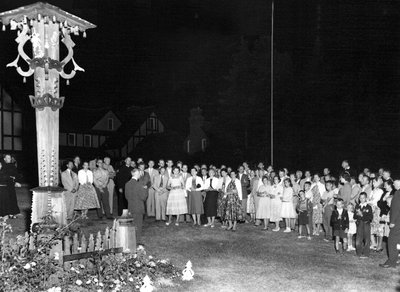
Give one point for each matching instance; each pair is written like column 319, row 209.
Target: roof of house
column 78, row 119
column 131, row 120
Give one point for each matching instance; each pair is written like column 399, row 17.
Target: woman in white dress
column 288, row 212
column 176, row 203
column 276, row 203
column 86, row 197
column 264, row 201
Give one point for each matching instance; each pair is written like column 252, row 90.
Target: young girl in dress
column 276, row 203
column 304, row 207
column 352, row 227
column 288, row 211
column 264, row 204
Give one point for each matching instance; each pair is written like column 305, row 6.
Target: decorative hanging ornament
column 4, row 27
column 67, row 82
column 84, row 34
column 24, row 79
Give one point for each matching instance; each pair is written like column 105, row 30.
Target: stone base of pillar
column 46, row 201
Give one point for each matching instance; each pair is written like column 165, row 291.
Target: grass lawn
column 252, row 259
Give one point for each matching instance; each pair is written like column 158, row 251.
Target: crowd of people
column 356, row 211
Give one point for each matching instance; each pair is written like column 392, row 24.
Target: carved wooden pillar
column 44, row 25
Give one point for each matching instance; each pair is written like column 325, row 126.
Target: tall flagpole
column 272, row 82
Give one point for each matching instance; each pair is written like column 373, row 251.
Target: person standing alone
column 136, row 195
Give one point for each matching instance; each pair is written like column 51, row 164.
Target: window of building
column 10, row 123
column 110, row 124
column 71, row 139
column 188, row 146
column 152, row 123
column 203, row 144
column 87, row 141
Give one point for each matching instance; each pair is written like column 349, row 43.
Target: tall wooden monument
column 44, row 25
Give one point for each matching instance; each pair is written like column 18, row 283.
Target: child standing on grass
column 340, row 224
column 304, row 206
column 352, row 227
column 363, row 215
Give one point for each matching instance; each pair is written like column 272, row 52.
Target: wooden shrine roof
column 45, row 9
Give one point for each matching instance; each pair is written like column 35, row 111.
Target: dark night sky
column 344, row 100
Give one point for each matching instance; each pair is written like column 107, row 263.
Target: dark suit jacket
column 123, row 176
column 340, row 223
column 366, row 211
column 395, row 212
column 136, row 196
column 145, row 179
column 245, row 185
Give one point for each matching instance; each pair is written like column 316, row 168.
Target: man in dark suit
column 394, row 235
column 123, row 176
column 245, row 182
column 136, row 195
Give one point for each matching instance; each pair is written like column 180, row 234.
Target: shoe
column 363, row 257
column 229, row 228
column 379, row 250
column 224, row 227
column 276, row 229
column 287, row 230
column 206, row 225
column 326, row 240
column 167, row 223
column 309, row 237
column 386, row 266
column 176, row 224
column 212, row 225
column 300, row 236
column 265, row 228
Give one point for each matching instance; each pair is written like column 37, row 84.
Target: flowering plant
column 34, row 267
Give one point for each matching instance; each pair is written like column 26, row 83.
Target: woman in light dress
column 276, row 203
column 288, row 211
column 194, row 187
column 86, row 197
column 264, row 202
column 375, row 196
column 176, row 202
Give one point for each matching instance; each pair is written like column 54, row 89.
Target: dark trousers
column 393, row 240
column 138, row 221
column 363, row 238
column 103, row 197
column 122, row 202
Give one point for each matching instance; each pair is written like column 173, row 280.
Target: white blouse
column 85, row 176
column 215, row 183
column 199, row 181
column 221, row 182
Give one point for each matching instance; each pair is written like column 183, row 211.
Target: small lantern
column 126, row 232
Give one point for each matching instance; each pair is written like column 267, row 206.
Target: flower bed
column 25, row 269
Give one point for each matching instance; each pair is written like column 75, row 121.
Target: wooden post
column 43, row 25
